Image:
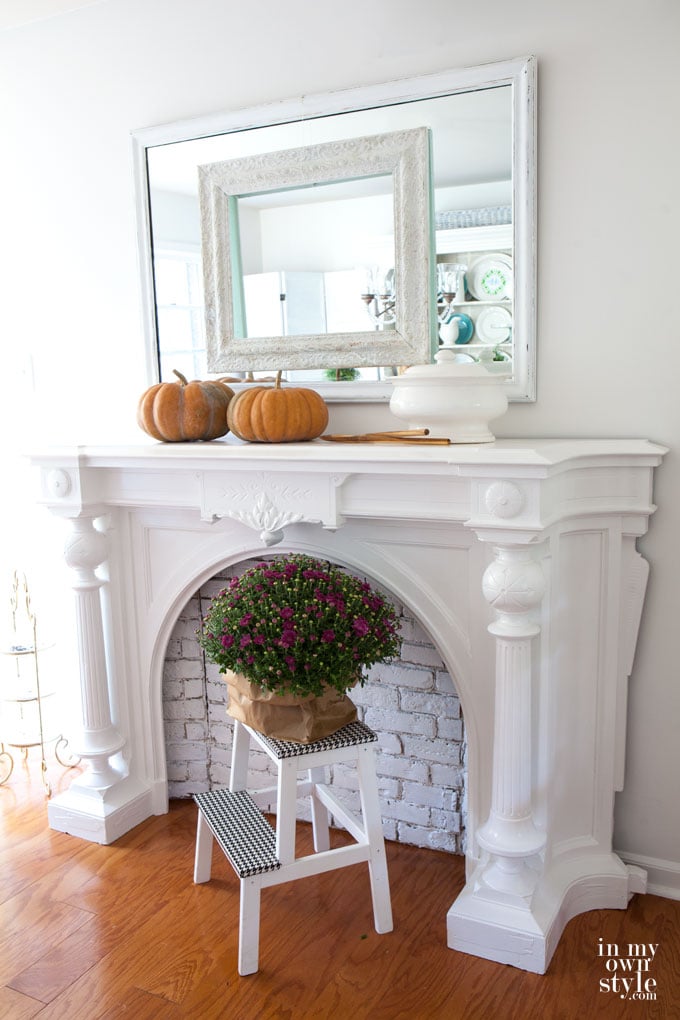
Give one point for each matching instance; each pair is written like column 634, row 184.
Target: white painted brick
column 174, row 649
column 187, row 752
column 219, row 774
column 400, row 722
column 192, row 650
column 390, row 742
column 441, row 751
column 414, row 835
column 221, row 730
column 451, row 801
column 198, row 772
column 450, row 842
column 185, row 628
column 430, row 702
column 447, row 776
column 197, row 731
column 213, row 673
column 220, row 754
column 449, row 821
column 376, row 696
column 404, row 676
column 193, row 709
column 423, row 655
column 344, row 777
column 443, row 682
column 172, row 690
column 390, row 829
column 194, row 688
column 406, row 812
column 211, row 588
column 184, row 791
column 174, row 732
column 401, row 768
column 349, row 799
column 177, row 771
column 184, row 669
column 412, row 632
column 216, row 712
column 418, row 793
column 450, row 729
column 389, row 788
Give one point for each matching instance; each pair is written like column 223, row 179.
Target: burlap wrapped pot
column 288, row 716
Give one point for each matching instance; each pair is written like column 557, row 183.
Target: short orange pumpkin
column 271, row 414
column 185, row 412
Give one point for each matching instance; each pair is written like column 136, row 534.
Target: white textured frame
column 404, row 155
column 519, row 72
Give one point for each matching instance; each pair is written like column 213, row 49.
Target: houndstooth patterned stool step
column 263, row 857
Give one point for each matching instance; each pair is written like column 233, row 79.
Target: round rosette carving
column 503, row 499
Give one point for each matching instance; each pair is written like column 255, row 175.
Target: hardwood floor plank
column 139, row 1005
column 67, row 961
column 136, row 937
column 30, row 925
column 15, row 1006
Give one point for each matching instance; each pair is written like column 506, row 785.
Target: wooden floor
column 90, row 932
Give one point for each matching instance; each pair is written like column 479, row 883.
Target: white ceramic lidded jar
column 453, row 400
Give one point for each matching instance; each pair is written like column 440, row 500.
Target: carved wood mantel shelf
column 519, row 557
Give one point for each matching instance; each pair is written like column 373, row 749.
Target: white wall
column 608, row 329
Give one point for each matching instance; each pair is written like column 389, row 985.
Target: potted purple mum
column 291, row 635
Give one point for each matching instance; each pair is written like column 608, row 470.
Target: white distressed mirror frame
column 403, row 155
column 519, row 72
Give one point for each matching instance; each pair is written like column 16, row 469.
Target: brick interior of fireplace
column 412, row 705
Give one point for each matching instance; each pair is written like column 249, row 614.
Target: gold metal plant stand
column 25, row 643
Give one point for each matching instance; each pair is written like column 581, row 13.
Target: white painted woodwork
column 369, row 845
column 518, row 556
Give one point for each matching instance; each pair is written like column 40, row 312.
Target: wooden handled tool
column 405, row 436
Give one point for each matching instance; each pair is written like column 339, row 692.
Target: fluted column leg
column 97, row 739
column 513, row 584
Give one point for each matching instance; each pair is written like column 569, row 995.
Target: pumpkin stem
column 277, row 384
column 182, row 378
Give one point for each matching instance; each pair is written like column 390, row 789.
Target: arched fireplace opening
column 411, row 703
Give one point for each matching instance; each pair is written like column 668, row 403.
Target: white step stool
column 262, row 857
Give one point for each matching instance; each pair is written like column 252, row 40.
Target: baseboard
column 663, row 877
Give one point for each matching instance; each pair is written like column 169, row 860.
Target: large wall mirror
column 342, row 272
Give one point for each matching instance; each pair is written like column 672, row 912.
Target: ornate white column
column 97, row 739
column 513, row 584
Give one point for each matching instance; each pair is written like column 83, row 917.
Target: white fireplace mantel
column 519, row 558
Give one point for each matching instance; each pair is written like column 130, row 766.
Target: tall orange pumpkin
column 271, row 414
column 185, row 412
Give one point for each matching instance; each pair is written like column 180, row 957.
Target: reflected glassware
column 379, row 296
column 451, row 286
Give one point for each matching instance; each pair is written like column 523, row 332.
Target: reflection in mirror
column 307, row 236
column 305, row 254
column 483, row 146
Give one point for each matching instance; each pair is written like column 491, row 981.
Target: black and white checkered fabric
column 242, row 831
column 350, row 735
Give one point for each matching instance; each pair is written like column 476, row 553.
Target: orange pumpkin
column 270, row 414
column 185, row 412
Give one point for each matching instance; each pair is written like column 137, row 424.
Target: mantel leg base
column 527, row 938
column 100, row 816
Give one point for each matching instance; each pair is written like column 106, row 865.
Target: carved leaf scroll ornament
column 263, row 514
